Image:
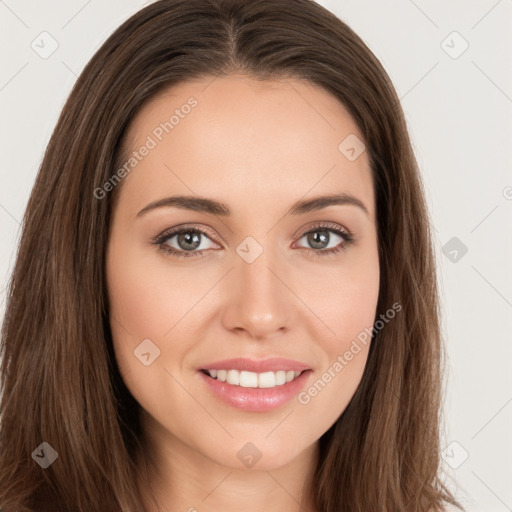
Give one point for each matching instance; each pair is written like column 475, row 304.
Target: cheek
column 138, row 300
column 352, row 305
column 146, row 298
column 347, row 306
column 344, row 297
column 143, row 308
column 350, row 314
column 149, row 292
column 151, row 300
column 138, row 309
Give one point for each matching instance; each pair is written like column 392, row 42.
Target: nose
column 259, row 301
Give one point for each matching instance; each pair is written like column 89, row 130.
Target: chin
column 261, row 455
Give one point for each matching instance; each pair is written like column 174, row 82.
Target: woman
column 177, row 335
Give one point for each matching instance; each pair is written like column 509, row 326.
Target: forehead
column 248, row 138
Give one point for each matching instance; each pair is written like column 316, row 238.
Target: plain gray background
column 450, row 64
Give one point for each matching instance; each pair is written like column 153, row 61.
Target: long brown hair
column 59, row 380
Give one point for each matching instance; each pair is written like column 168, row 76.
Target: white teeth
column 267, row 380
column 233, row 377
column 280, row 377
column 254, row 380
column 248, row 379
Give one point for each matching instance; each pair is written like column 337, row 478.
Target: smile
column 248, row 379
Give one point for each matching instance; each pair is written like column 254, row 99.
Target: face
column 256, row 277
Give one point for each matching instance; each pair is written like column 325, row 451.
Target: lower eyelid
column 347, row 239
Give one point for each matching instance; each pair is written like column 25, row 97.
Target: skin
column 258, row 147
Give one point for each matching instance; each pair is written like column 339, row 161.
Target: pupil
column 189, row 238
column 318, row 238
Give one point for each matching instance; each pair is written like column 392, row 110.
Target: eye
column 188, row 241
column 322, row 242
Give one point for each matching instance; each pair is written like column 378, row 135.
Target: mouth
column 248, row 379
column 252, row 391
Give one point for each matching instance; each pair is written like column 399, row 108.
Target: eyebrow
column 211, row 206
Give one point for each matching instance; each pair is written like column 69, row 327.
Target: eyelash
column 161, row 240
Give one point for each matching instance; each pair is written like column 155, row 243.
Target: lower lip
column 256, row 399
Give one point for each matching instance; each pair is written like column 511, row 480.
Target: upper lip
column 272, row 364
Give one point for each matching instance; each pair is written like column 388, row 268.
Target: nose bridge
column 260, row 300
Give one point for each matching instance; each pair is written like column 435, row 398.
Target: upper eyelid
column 172, row 232
column 327, row 225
